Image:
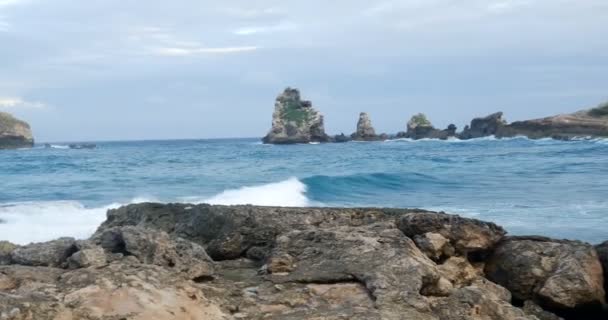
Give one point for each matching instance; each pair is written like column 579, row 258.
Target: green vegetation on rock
column 294, row 112
column 600, row 111
column 420, row 120
column 8, row 121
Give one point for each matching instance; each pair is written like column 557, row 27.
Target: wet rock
column 554, row 274
column 14, row 133
column 48, row 254
column 465, row 235
column 295, row 121
column 602, row 252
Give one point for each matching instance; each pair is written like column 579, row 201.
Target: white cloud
column 184, row 51
column 15, row 102
column 264, row 29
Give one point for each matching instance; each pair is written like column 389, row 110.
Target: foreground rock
column 295, row 121
column 557, row 274
column 419, row 127
column 14, row 133
column 177, row 261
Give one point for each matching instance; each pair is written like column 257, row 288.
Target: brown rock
column 552, row 273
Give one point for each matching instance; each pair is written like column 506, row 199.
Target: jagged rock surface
column 558, row 274
column 365, row 130
column 419, row 127
column 14, row 133
column 492, row 125
column 179, row 261
column 295, row 121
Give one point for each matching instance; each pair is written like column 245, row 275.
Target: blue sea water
column 544, row 187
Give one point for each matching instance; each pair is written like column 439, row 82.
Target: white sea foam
column 288, row 193
column 25, row 222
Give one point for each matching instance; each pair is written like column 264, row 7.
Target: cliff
column 14, row 133
column 295, row 121
column 180, row 261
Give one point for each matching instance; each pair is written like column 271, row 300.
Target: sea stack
column 365, row 130
column 492, row 125
column 14, row 133
column 295, row 121
column 419, row 127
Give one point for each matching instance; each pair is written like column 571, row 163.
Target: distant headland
column 14, row 133
column 296, row 121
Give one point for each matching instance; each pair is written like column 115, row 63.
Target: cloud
column 185, row 51
column 19, row 103
column 265, row 29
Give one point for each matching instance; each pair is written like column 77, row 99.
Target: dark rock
column 554, row 274
column 82, row 146
column 295, row 121
column 483, row 127
column 533, row 309
column 48, row 254
column 14, row 133
column 563, row 127
column 465, row 235
column 602, row 252
column 341, row 138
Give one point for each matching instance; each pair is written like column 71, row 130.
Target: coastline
column 248, row 262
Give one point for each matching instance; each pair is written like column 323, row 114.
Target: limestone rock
column 6, row 250
column 49, row 254
column 419, row 127
column 94, row 257
column 434, row 245
column 295, row 121
column 465, row 235
column 602, row 252
column 365, row 130
column 485, row 126
column 552, row 273
column 14, row 133
column 154, row 247
column 586, row 123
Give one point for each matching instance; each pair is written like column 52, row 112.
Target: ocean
column 542, row 187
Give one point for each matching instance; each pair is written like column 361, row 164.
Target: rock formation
column 14, row 133
column 558, row 274
column 586, row 123
column 180, row 261
column 491, row 125
column 295, row 121
column 419, row 127
column 365, row 130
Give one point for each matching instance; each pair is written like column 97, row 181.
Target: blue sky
column 123, row 69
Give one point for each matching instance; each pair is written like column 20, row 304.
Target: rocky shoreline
column 179, row 261
column 296, row 121
column 14, row 133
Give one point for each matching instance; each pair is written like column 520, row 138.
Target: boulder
column 492, row 125
column 464, row 235
column 6, row 250
column 14, row 133
column 85, row 258
column 158, row 248
column 295, row 121
column 48, row 254
column 365, row 130
column 555, row 274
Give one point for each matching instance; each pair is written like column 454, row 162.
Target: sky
column 130, row 70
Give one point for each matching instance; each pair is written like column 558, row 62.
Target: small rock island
column 295, row 121
column 14, row 133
